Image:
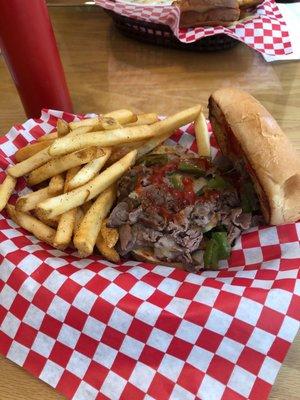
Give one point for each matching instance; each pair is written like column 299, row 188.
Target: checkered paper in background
column 94, row 330
column 266, row 32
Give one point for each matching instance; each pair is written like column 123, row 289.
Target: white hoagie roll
column 244, row 129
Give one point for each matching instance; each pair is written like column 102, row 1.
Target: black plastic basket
column 162, row 35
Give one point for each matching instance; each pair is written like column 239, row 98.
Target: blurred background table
column 107, row 71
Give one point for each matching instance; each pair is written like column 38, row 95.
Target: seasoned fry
column 77, row 131
column 89, row 171
column 40, row 230
column 31, row 149
column 29, row 201
column 84, row 122
column 126, row 135
column 60, row 204
column 61, row 164
column 52, row 222
column 56, row 184
column 120, row 151
column 110, row 235
column 65, row 229
column 107, row 124
column 29, row 164
column 87, row 233
column 67, row 220
column 108, row 253
column 80, row 131
column 48, row 136
column 152, row 143
column 144, row 119
column 175, row 121
column 6, row 189
column 202, row 136
column 70, row 175
column 121, row 116
column 62, row 128
column 78, row 219
column 86, row 206
column 104, row 139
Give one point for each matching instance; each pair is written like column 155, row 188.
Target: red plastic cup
column 28, row 44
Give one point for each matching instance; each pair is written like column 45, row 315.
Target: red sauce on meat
column 183, row 197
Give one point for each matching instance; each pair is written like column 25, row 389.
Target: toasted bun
column 146, row 254
column 207, row 12
column 245, row 129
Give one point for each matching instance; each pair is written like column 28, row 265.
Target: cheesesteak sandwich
column 180, row 209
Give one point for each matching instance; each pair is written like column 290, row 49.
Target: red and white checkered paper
column 266, row 32
column 95, row 330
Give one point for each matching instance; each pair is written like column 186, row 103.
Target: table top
column 107, row 71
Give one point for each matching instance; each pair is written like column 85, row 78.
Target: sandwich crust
column 207, row 12
column 245, row 130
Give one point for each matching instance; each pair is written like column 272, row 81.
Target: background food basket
column 162, row 35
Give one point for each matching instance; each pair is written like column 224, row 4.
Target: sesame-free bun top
column 245, row 129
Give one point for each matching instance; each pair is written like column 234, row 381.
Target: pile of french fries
column 73, row 174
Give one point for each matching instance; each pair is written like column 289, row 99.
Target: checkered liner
column 266, row 32
column 94, row 330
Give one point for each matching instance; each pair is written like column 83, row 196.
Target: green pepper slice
column 176, row 181
column 190, row 169
column 217, row 183
column 223, row 245
column 211, row 254
column 248, row 198
column 154, row 159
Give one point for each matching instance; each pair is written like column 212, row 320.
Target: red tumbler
column 28, row 45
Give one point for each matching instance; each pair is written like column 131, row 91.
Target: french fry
column 56, row 184
column 120, row 151
column 31, row 163
column 52, row 222
column 77, row 131
column 144, row 119
column 6, row 189
column 61, row 164
column 107, row 124
column 65, row 229
column 80, row 131
column 164, row 129
column 202, row 136
column 121, row 116
column 126, row 135
column 60, row 204
column 62, row 128
column 175, row 121
column 86, row 206
column 78, row 219
column 70, row 175
column 40, row 230
column 104, row 139
column 149, row 145
column 110, row 235
column 31, row 149
column 48, row 136
column 29, row 201
column 89, row 171
column 109, row 253
column 67, row 220
column 87, row 233
column 84, row 122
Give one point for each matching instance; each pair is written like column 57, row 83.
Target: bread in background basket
column 195, row 13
